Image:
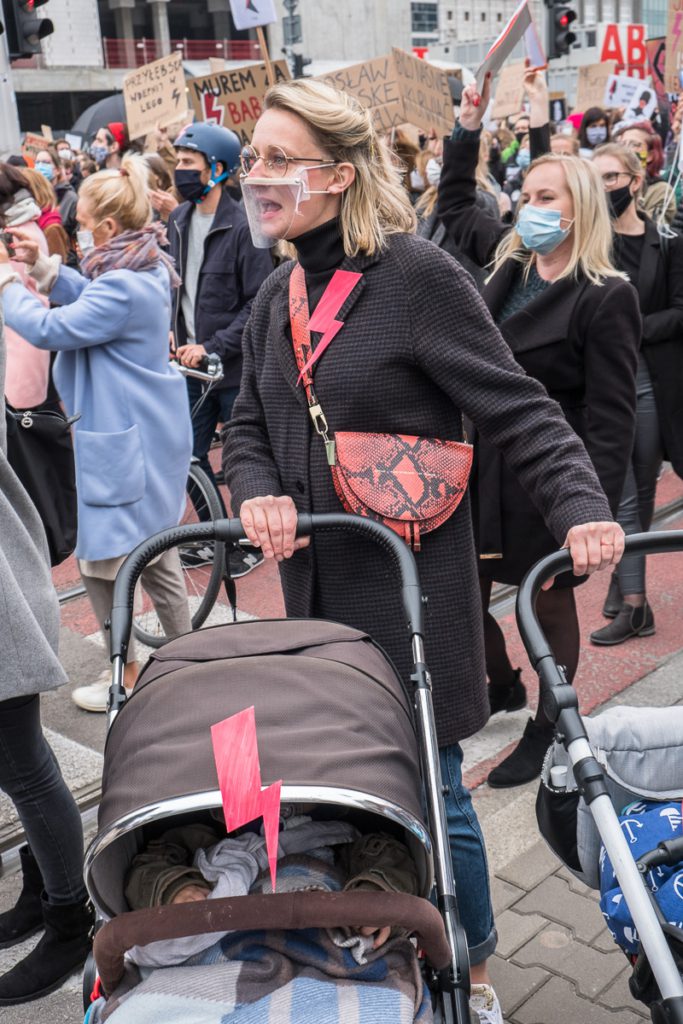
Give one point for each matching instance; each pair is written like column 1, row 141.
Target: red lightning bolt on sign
column 323, row 319
column 676, row 31
column 235, row 752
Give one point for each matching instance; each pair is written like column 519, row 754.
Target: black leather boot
column 614, row 600
column 508, row 698
column 630, row 622
column 526, row 760
column 26, row 916
column 62, row 950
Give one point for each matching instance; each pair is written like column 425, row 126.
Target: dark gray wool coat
column 418, row 347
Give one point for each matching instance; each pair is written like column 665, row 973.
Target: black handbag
column 40, row 451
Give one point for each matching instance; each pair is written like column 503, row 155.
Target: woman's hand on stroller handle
column 593, row 546
column 269, row 523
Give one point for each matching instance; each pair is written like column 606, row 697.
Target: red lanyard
column 323, row 320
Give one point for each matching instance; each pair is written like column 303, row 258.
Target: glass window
column 425, row 17
column 467, row 15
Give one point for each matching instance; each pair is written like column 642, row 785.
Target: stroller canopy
column 333, row 722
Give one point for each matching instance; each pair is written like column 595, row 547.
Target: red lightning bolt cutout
column 235, row 752
column 323, row 319
column 676, row 31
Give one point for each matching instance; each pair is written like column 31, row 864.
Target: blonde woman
column 416, row 348
column 133, row 440
column 573, row 323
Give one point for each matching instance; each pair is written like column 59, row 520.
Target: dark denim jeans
column 31, row 777
column 217, row 408
column 469, row 859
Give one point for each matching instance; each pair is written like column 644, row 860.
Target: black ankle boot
column 614, row 600
column 526, row 760
column 26, row 916
column 630, row 622
column 63, row 949
column 508, row 698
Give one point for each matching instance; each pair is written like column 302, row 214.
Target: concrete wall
column 347, row 30
column 76, row 41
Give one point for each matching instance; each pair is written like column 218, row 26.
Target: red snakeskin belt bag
column 412, row 484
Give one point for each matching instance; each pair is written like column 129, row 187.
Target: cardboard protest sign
column 656, row 60
column 504, row 44
column 233, row 99
column 674, row 47
column 375, row 85
column 33, row 143
column 621, row 90
column 252, row 13
column 154, row 95
column 424, row 92
column 509, row 91
column 642, row 104
column 47, row 132
column 591, row 84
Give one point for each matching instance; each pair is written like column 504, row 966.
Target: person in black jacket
column 572, row 322
column 221, row 273
column 413, row 346
column 654, row 264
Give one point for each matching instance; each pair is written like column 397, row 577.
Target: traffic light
column 560, row 36
column 300, row 62
column 26, row 29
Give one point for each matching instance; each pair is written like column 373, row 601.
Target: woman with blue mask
column 594, row 131
column 573, row 323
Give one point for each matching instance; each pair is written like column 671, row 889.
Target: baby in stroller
column 190, row 863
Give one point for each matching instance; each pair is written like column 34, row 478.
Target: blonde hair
column 482, row 170
column 120, row 193
column 591, row 253
column 41, row 189
column 627, row 158
column 375, row 205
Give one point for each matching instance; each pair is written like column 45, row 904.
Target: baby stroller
column 595, row 769
column 334, row 722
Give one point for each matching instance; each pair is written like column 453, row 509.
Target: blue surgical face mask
column 523, row 158
column 46, row 169
column 99, row 153
column 540, row 229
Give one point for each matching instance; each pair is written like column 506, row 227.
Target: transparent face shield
column 273, row 206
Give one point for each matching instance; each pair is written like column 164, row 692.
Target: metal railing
column 133, row 53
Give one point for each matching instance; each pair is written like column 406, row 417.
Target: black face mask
column 190, row 185
column 619, row 200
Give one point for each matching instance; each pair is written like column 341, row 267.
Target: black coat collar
column 223, row 218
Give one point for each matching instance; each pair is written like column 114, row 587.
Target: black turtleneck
column 320, row 252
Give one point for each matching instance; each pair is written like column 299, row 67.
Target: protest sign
column 624, row 43
column 154, row 95
column 557, row 107
column 233, row 98
column 591, row 84
column 504, row 44
column 534, row 47
column 509, row 91
column 642, row 105
column 216, row 64
column 33, row 143
column 424, row 92
column 46, row 131
column 674, row 47
column 656, row 59
column 620, row 91
column 252, row 13
column 374, row 83
column 74, row 141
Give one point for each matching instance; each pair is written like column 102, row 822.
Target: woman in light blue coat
column 133, row 441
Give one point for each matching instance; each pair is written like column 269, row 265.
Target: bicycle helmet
column 219, row 145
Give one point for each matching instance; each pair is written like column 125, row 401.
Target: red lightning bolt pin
column 235, row 752
column 323, row 319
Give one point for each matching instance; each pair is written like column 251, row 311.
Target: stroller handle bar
column 535, row 641
column 232, row 531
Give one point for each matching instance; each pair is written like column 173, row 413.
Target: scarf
column 131, row 250
column 48, row 218
column 23, row 209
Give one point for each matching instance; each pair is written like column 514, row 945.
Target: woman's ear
column 344, row 176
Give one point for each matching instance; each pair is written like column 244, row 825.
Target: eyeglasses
column 612, row 177
column 277, row 162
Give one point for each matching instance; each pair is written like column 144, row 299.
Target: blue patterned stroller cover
column 645, row 824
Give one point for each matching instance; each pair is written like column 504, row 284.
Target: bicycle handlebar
column 231, row 531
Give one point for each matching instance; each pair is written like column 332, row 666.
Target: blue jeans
column 469, row 859
column 217, row 408
column 30, row 776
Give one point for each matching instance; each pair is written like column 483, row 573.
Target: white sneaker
column 484, row 1002
column 95, row 696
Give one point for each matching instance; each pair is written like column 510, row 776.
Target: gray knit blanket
column 297, row 977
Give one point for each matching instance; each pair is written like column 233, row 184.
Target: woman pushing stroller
column 133, row 438
column 317, row 175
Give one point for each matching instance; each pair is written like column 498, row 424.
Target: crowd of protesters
column 535, row 282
